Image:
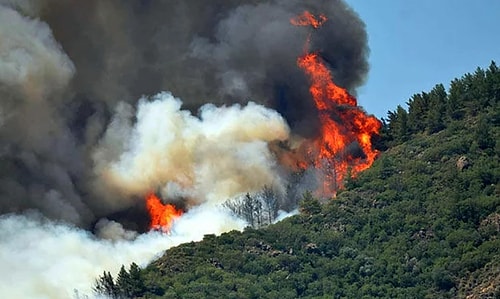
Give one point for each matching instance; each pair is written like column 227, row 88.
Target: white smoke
column 284, row 214
column 208, row 159
column 202, row 159
column 34, row 72
column 31, row 60
column 112, row 230
column 45, row 259
column 211, row 158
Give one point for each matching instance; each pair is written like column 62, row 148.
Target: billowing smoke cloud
column 218, row 155
column 39, row 159
column 224, row 52
column 79, row 148
column 66, row 66
column 45, row 259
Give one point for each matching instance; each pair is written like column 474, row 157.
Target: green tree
column 418, row 107
column 137, row 287
column 309, row 204
column 455, row 102
column 124, row 283
column 483, row 135
column 105, row 285
column 398, row 124
column 493, row 83
column 437, row 109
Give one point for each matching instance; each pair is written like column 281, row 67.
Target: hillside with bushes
column 422, row 222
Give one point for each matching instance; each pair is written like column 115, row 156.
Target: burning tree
column 344, row 125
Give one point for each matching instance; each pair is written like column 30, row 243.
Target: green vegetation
column 128, row 284
column 422, row 222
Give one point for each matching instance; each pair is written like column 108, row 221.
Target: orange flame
column 343, row 123
column 162, row 215
column 307, row 19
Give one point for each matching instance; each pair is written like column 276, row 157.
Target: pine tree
column 455, row 103
column 483, row 134
column 437, row 109
column 398, row 124
column 418, row 108
column 124, row 283
column 309, row 204
column 493, row 82
column 137, row 287
column 106, row 286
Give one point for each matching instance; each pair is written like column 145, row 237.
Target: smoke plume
column 218, row 155
column 67, row 66
column 91, row 119
column 46, row 259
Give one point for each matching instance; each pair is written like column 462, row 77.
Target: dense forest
column 422, row 222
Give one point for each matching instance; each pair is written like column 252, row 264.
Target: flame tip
column 162, row 215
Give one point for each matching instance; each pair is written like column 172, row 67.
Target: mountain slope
column 422, row 222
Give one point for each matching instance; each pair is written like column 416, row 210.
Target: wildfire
column 161, row 215
column 308, row 19
column 343, row 123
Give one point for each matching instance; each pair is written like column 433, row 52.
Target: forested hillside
column 422, row 222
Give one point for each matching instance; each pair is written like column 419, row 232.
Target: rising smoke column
column 71, row 138
column 39, row 155
column 93, row 55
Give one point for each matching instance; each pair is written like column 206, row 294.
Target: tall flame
column 162, row 215
column 343, row 123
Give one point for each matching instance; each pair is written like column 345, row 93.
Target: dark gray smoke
column 66, row 64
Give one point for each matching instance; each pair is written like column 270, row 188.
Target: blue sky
column 415, row 45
